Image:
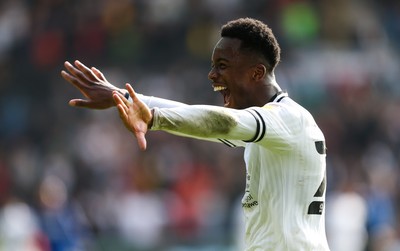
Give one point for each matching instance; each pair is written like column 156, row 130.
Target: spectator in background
column 20, row 229
column 346, row 219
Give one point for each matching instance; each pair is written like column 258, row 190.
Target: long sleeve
column 214, row 123
column 152, row 102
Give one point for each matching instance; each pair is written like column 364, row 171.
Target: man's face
column 231, row 73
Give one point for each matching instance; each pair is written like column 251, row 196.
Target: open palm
column 136, row 115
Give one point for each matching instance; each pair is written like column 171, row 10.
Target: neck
column 270, row 80
column 263, row 91
column 271, row 87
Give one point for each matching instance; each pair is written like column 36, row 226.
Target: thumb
column 78, row 103
column 81, row 103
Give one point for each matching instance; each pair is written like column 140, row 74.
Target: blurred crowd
column 74, row 179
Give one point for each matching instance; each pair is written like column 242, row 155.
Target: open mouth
column 225, row 93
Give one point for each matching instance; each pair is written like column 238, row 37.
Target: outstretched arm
column 212, row 123
column 99, row 92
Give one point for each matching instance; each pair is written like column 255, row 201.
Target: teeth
column 219, row 88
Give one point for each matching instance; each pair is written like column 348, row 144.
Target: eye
column 219, row 66
column 222, row 66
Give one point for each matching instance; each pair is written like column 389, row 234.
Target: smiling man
column 243, row 65
column 284, row 154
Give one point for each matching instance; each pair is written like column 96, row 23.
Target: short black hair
column 255, row 36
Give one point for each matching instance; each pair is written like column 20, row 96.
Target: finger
column 73, row 80
column 133, row 95
column 118, row 99
column 141, row 140
column 67, row 76
column 72, row 70
column 132, row 92
column 98, row 73
column 77, row 73
column 81, row 103
column 122, row 113
column 122, row 97
column 85, row 70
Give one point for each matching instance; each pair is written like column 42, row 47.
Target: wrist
column 150, row 123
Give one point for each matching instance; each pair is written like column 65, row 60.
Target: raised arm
column 99, row 92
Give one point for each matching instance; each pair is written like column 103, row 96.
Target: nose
column 212, row 74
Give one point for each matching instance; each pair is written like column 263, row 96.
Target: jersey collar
column 278, row 96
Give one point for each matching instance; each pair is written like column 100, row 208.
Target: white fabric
column 284, row 171
column 284, row 168
column 152, row 101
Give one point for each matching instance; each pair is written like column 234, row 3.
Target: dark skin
column 242, row 74
column 92, row 84
column 245, row 78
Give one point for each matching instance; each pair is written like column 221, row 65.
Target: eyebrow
column 219, row 60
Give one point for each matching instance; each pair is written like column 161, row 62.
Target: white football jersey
column 285, row 163
column 285, row 183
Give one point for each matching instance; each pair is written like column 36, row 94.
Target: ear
column 260, row 72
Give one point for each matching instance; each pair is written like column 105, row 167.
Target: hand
column 92, row 84
column 136, row 115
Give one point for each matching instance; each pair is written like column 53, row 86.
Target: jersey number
column 317, row 207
